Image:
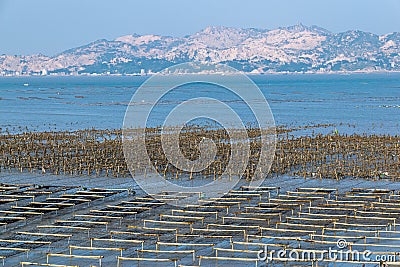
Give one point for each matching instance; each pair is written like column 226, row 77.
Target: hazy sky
column 51, row 26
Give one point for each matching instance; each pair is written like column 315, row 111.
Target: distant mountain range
column 296, row 48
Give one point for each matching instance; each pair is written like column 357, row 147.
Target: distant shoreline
column 245, row 73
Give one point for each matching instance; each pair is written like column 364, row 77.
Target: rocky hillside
column 297, row 48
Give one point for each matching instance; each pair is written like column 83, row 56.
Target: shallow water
column 367, row 103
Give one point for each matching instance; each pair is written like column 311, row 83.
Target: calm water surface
column 369, row 103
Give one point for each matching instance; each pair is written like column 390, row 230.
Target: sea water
column 363, row 103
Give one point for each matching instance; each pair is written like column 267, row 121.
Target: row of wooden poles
column 100, row 153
